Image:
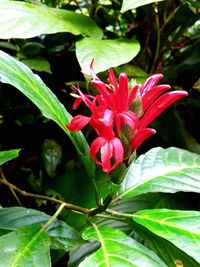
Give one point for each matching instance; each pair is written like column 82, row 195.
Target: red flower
column 109, row 151
column 120, row 116
column 101, row 119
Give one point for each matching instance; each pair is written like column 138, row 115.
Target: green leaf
column 169, row 253
column 179, row 227
column 162, row 170
column 38, row 64
column 52, row 155
column 135, row 73
column 131, row 4
column 8, row 155
column 117, row 249
column 25, row 20
column 106, row 53
column 62, row 235
column 25, row 247
column 20, row 76
column 10, row 46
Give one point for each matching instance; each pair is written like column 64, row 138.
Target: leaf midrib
column 161, row 222
column 102, row 245
column 26, row 247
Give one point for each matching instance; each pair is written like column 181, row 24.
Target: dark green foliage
column 144, row 213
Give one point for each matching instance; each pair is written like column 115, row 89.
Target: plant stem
column 27, row 194
column 167, row 20
column 157, row 42
column 119, row 214
column 46, row 225
column 11, row 189
column 89, row 212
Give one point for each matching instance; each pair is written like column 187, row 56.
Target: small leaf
column 38, row 64
column 25, row 247
column 10, row 46
column 106, row 53
column 131, row 4
column 52, row 155
column 162, row 170
column 25, row 20
column 62, row 235
column 179, row 227
column 117, row 249
column 8, row 155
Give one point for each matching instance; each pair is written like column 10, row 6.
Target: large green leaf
column 181, row 228
column 25, row 20
column 170, row 254
column 131, row 4
column 8, row 155
column 117, row 249
column 106, row 53
column 62, row 235
column 20, row 76
column 25, row 247
column 162, row 170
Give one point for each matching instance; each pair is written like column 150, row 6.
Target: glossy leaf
column 20, row 76
column 106, row 53
column 8, row 155
column 117, row 249
column 25, row 20
column 169, row 253
column 179, row 227
column 162, row 170
column 62, row 235
column 131, row 4
column 25, row 247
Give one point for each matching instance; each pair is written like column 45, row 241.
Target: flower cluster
column 120, row 115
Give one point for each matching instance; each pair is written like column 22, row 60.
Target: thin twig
column 31, row 195
column 11, row 189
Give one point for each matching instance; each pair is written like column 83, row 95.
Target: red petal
column 78, row 122
column 126, row 117
column 118, row 152
column 153, row 94
column 133, row 93
column 85, row 98
column 150, row 82
column 108, row 117
column 160, row 105
column 112, row 79
column 101, row 87
column 94, row 76
column 77, row 102
column 95, row 147
column 106, row 155
column 109, row 150
column 140, row 137
column 123, row 91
